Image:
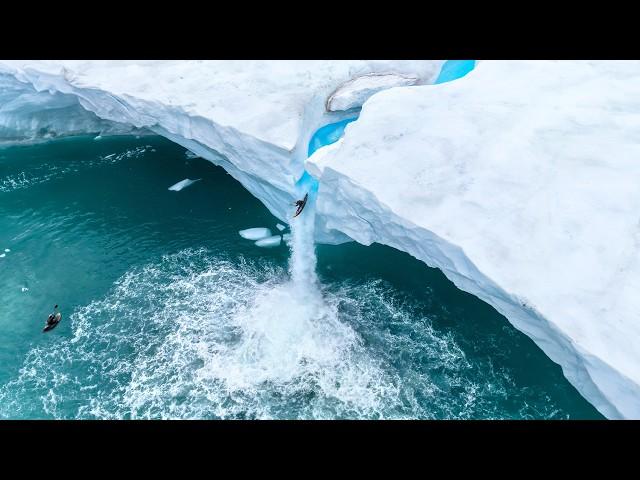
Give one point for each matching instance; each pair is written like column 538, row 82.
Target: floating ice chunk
column 99, row 137
column 269, row 242
column 287, row 238
column 24, row 289
column 255, row 233
column 280, row 227
column 2, row 255
column 183, row 184
column 7, row 250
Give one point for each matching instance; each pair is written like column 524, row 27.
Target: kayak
column 50, row 326
column 301, row 207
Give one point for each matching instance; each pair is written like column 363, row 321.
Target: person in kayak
column 300, row 204
column 53, row 317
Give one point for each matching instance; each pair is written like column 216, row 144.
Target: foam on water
column 199, row 336
column 195, row 336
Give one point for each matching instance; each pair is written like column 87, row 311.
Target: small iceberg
column 255, row 233
column 7, row 250
column 183, row 184
column 269, row 242
column 24, row 289
column 280, row 227
column 99, row 137
column 2, row 255
column 287, row 238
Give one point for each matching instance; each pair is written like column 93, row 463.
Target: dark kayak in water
column 301, row 205
column 50, row 326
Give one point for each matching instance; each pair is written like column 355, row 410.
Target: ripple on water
column 44, row 172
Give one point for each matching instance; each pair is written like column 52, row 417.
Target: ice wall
column 28, row 115
column 520, row 182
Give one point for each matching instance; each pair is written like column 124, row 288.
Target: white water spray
column 302, row 264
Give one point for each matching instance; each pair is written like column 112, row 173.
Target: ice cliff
column 254, row 118
column 517, row 181
column 520, row 182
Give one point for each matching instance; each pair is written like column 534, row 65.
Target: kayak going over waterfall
column 300, row 204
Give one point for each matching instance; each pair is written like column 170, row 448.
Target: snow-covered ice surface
column 354, row 93
column 519, row 180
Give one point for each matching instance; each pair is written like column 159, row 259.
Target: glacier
column 517, row 181
column 520, row 183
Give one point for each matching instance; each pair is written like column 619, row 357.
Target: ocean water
column 169, row 313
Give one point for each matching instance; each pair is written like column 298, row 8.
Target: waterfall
column 302, row 264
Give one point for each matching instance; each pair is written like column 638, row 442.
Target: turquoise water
column 166, row 310
column 325, row 135
column 454, row 69
column 328, row 134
